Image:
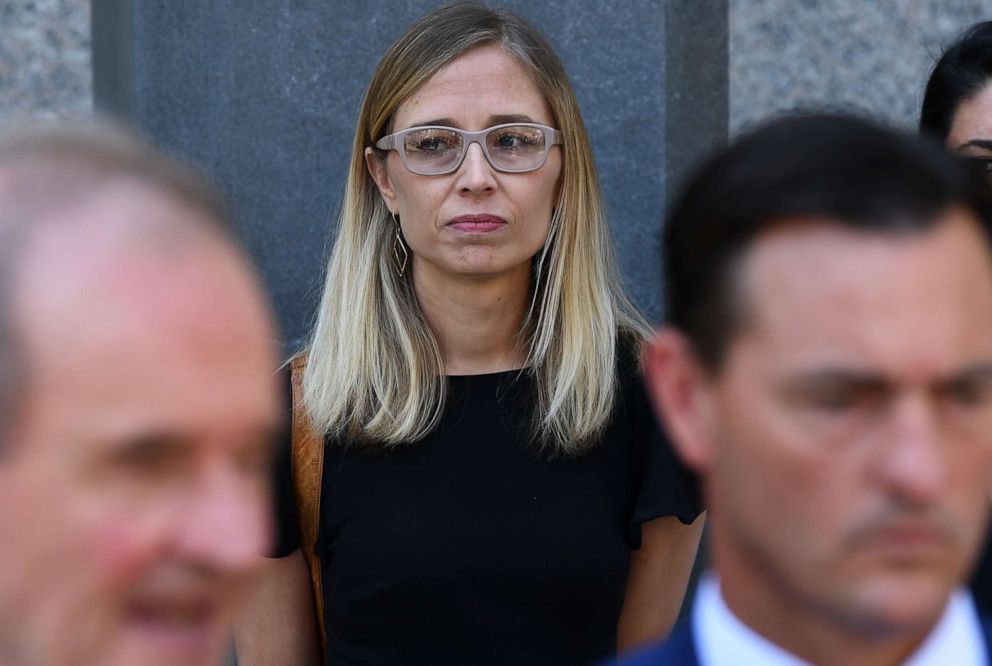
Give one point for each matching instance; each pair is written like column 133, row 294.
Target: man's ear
column 377, row 169
column 682, row 396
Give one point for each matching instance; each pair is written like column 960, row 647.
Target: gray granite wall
column 864, row 55
column 45, row 58
column 783, row 53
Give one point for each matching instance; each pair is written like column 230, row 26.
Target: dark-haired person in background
column 957, row 110
column 957, row 104
column 826, row 368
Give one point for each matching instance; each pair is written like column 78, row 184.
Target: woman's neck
column 476, row 321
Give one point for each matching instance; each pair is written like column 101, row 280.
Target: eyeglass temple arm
column 387, row 142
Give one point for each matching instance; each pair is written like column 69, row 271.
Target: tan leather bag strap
column 308, row 472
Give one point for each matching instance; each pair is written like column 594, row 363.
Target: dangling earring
column 400, row 254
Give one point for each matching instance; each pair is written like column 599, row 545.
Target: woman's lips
column 480, row 224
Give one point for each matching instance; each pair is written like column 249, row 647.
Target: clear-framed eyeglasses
column 435, row 150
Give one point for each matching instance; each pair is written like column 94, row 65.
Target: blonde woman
column 496, row 490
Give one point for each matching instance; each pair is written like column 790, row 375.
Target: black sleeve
column 666, row 487
column 287, row 524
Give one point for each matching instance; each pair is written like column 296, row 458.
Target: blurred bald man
column 137, row 407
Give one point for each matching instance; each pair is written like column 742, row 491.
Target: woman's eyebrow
column 506, row 119
column 501, row 119
column 441, row 122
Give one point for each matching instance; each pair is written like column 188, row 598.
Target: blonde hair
column 374, row 371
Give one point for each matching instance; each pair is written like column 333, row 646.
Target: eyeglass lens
column 513, row 148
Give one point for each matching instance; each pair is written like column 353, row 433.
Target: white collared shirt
column 723, row 640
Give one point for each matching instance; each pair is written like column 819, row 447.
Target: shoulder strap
column 308, row 467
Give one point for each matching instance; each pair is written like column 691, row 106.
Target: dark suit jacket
column 679, row 649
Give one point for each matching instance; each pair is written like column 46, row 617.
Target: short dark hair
column 962, row 71
column 846, row 170
column 47, row 168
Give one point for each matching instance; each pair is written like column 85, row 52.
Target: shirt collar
column 723, row 640
column 957, row 638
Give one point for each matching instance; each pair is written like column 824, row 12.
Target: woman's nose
column 476, row 174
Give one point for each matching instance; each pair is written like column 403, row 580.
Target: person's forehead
column 972, row 119
column 813, row 282
column 105, row 287
column 120, row 214
column 485, row 81
column 826, row 247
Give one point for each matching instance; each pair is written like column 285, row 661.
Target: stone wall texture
column 870, row 56
column 45, row 58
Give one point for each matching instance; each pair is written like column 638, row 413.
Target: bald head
column 96, row 284
column 48, row 173
column 45, row 167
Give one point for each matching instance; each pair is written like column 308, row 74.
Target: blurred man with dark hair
column 826, row 368
column 138, row 407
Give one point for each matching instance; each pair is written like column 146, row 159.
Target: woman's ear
column 377, row 169
column 682, row 396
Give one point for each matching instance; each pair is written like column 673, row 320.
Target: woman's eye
column 517, row 140
column 431, row 145
column 432, row 141
column 509, row 141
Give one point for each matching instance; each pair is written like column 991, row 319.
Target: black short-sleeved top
column 469, row 547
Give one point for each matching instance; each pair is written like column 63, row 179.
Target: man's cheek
column 108, row 558
column 61, row 608
column 123, row 544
